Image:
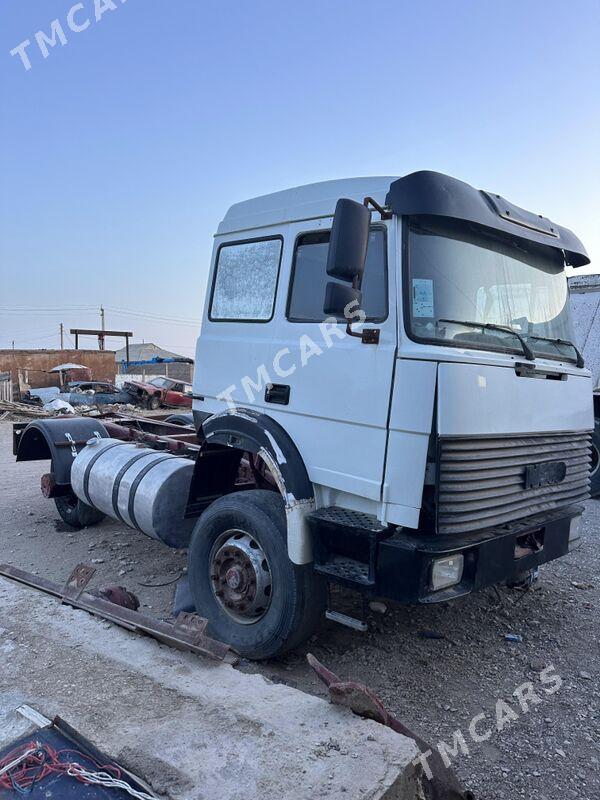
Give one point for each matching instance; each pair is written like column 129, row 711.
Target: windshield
column 461, row 275
column 160, row 383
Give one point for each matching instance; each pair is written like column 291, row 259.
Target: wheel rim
column 595, row 460
column 240, row 576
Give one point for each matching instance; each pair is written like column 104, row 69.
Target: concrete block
column 194, row 729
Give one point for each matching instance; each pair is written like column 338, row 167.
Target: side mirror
column 337, row 298
column 348, row 242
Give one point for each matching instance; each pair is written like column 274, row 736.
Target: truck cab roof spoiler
column 436, row 194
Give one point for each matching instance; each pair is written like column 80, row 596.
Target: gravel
column 435, row 667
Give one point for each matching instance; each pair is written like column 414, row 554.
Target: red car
column 161, row 392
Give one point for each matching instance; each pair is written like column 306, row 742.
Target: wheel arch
column 58, row 440
column 246, row 430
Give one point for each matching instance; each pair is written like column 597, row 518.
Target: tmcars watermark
column 307, row 347
column 78, row 19
column 483, row 726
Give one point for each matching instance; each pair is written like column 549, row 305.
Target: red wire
column 36, row 768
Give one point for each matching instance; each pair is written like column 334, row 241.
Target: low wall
column 35, row 365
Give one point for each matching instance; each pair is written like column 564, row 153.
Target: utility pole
column 102, row 327
column 62, row 336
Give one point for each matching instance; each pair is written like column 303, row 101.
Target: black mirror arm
column 368, row 335
column 380, row 209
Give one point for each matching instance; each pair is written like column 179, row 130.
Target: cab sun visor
column 436, row 194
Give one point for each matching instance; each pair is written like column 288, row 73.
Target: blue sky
column 121, row 151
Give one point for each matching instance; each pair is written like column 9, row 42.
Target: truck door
column 332, row 392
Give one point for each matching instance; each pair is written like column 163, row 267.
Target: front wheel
column 243, row 582
column 153, row 402
column 595, row 467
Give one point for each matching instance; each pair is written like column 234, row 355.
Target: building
column 585, row 307
column 181, row 370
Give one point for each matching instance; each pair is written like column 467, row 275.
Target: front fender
column 250, row 431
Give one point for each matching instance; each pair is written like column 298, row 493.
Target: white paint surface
column 509, row 404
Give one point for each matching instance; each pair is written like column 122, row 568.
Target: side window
column 309, row 278
column 245, row 280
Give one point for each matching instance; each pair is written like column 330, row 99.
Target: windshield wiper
column 527, row 351
column 580, row 359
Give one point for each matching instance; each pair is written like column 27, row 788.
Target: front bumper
column 404, row 560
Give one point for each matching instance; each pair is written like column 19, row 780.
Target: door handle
column 278, row 393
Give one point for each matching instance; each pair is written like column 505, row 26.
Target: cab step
column 345, row 546
column 347, row 570
column 347, row 621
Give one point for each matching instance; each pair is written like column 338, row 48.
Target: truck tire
column 153, row 402
column 75, row 513
column 242, row 580
column 595, row 468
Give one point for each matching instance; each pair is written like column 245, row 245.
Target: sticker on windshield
column 422, row 300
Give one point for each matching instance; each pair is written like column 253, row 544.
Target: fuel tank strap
column 90, row 464
column 136, row 483
column 119, row 478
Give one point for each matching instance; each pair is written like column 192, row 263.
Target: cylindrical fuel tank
column 146, row 489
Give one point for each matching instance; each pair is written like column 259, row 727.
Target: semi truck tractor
column 387, row 398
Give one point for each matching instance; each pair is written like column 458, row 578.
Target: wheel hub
column 240, row 576
column 234, row 578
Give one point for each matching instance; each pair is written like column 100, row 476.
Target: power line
column 32, row 312
column 44, row 309
column 25, row 335
column 154, row 316
column 149, row 315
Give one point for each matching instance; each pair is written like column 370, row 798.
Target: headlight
column 574, row 530
column 447, row 571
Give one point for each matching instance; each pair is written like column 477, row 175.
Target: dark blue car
column 94, row 393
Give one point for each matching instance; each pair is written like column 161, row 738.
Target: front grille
column 482, row 481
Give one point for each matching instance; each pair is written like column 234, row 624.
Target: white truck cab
column 472, row 380
column 386, row 397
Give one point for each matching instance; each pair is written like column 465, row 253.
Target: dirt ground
column 435, row 667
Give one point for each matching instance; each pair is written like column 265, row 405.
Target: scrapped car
column 160, row 392
column 94, row 393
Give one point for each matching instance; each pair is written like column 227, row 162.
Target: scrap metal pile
column 12, row 410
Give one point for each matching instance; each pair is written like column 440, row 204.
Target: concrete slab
column 195, row 730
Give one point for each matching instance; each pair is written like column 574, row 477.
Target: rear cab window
column 245, row 280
